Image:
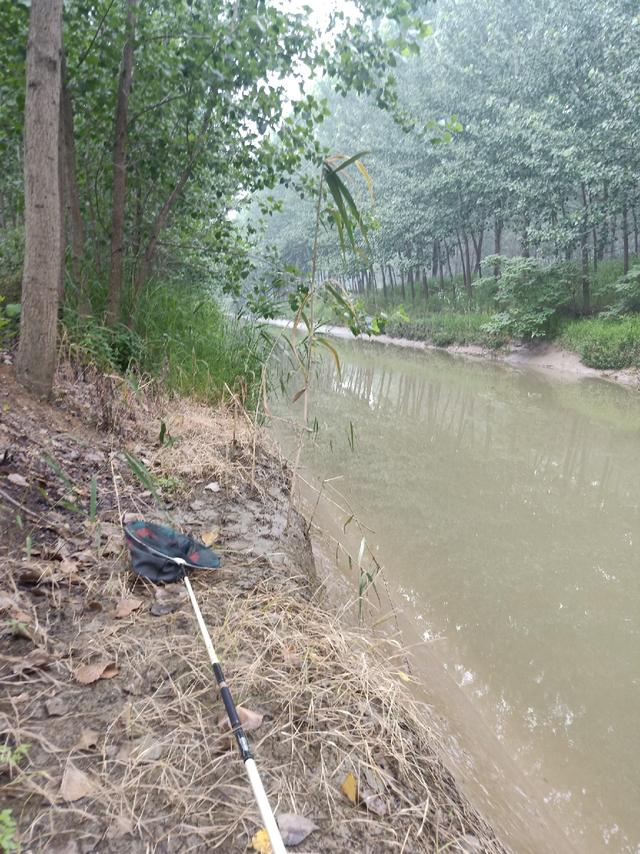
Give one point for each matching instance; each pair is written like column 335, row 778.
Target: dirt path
column 114, row 737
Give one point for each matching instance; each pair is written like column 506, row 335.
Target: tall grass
column 605, row 343
column 178, row 335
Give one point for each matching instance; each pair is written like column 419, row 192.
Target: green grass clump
column 445, row 329
column 178, row 335
column 605, row 343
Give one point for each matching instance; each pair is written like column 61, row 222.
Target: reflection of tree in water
column 559, row 450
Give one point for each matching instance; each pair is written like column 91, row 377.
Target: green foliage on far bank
column 605, row 342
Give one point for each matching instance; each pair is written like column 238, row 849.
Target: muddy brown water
column 504, row 507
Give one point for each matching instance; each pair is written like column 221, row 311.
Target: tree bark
column 163, row 215
column 120, row 170
column 497, row 243
column 635, row 231
column 72, row 199
column 625, row 238
column 584, row 252
column 477, row 245
column 36, row 359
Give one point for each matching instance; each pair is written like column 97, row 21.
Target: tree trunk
column 72, row 198
column 425, row 284
column 402, row 289
column 36, row 359
column 384, row 282
column 625, row 238
column 497, row 243
column 163, row 215
column 635, row 232
column 584, row 252
column 477, row 245
column 412, row 285
column 120, row 170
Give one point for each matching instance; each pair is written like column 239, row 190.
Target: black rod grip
column 232, row 714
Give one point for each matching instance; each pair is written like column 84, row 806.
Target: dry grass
column 165, row 776
column 332, row 705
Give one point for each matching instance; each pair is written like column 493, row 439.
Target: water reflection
column 506, row 503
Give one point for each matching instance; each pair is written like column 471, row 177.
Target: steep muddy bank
column 140, row 759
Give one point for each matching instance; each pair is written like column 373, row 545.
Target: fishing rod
column 150, row 562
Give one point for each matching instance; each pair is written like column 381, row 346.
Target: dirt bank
column 542, row 356
column 132, row 754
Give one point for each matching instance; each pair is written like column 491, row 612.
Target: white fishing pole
column 268, row 818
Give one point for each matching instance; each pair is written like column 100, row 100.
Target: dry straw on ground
column 141, row 761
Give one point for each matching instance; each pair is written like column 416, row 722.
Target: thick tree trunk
column 72, row 199
column 36, row 359
column 120, row 171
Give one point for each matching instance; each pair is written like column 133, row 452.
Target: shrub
column 178, row 334
column 533, row 298
column 627, row 293
column 605, row 343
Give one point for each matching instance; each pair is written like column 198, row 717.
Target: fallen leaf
column 17, row 480
column 144, row 749
column 260, row 842
column 249, row 719
column 298, row 394
column 68, row 567
column 291, row 656
column 349, row 788
column 75, row 784
column 404, row 676
column 120, row 827
column 126, row 607
column 36, row 659
column 210, row 538
column 294, row 828
column 88, row 740
column 214, row 486
column 55, row 707
column 88, row 673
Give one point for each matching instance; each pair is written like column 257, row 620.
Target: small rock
column 214, row 486
column 17, row 480
column 164, row 607
column 56, row 707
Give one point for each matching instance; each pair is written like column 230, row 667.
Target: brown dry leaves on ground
column 109, row 713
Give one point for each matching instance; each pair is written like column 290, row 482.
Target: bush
column 627, row 293
column 177, row 334
column 533, row 298
column 605, row 343
column 445, row 329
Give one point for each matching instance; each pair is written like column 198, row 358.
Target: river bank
column 541, row 356
column 137, row 757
